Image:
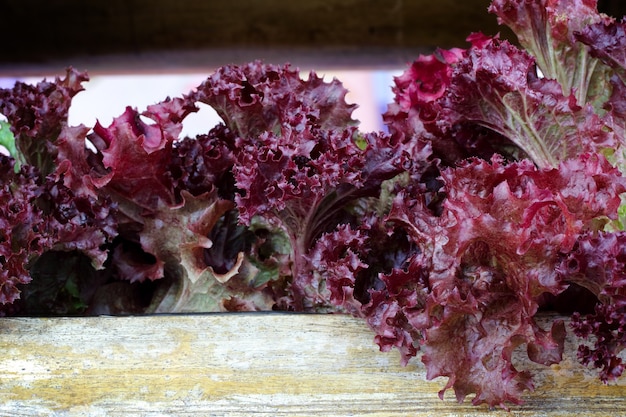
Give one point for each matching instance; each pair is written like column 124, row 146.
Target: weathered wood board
column 246, row 365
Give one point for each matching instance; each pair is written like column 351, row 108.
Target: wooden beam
column 64, row 32
column 164, row 35
column 268, row 364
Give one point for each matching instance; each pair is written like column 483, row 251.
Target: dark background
column 161, row 35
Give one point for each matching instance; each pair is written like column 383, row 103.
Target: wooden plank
column 245, row 364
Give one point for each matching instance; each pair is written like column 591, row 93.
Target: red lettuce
column 169, row 202
column 44, row 217
column 548, row 30
column 495, row 87
column 492, row 94
column 300, row 164
column 256, row 97
column 476, row 274
column 490, row 238
column 597, row 263
column 173, row 216
column 416, row 110
column 497, row 193
column 22, row 236
column 44, row 214
column 37, row 114
column 144, row 197
column 606, row 41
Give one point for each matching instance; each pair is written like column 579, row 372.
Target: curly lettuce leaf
column 168, row 193
column 204, row 164
column 136, row 154
column 256, row 98
column 417, row 111
column 184, row 249
column 482, row 100
column 81, row 224
column 606, row 41
column 503, row 244
column 597, row 264
column 547, row 29
column 495, row 87
column 63, row 284
column 38, row 113
column 476, row 274
column 300, row 163
column 24, row 233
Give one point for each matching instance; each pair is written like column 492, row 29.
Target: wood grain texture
column 244, row 365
